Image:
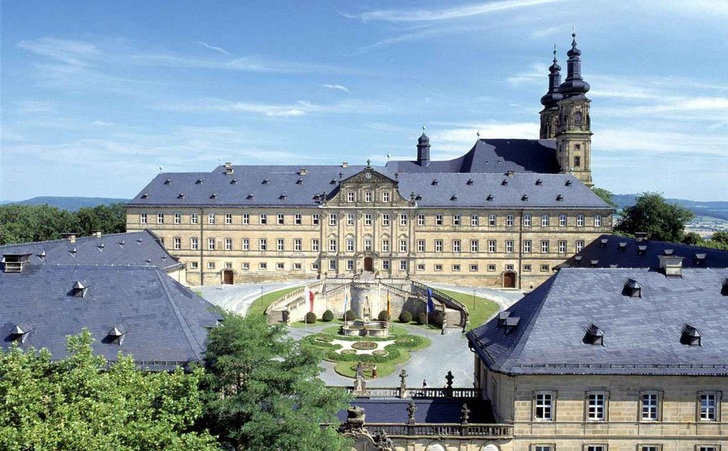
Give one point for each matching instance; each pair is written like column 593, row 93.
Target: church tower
column 550, row 112
column 573, row 129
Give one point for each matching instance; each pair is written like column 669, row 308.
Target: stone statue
column 403, row 383
column 411, row 409
column 448, row 388
column 464, row 414
column 355, row 415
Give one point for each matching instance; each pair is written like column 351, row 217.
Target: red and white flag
column 310, row 299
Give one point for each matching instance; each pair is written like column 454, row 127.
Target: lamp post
column 473, row 300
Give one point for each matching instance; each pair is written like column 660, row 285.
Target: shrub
column 383, row 316
column 349, row 315
column 421, row 318
column 310, row 318
column 405, row 317
column 436, row 318
column 328, row 316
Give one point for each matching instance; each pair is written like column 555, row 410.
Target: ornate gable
column 368, row 188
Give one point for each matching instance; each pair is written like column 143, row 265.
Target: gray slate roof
column 166, row 323
column 429, row 410
column 133, row 248
column 641, row 335
column 624, row 252
column 282, row 186
column 493, row 156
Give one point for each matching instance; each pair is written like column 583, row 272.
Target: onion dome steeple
column 423, row 149
column 553, row 95
column 574, row 85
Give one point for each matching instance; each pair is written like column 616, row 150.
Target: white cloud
column 103, row 123
column 212, row 47
column 458, row 12
column 299, row 108
column 336, row 87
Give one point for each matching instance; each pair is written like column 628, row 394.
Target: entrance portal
column 368, row 266
column 509, row 280
column 227, row 277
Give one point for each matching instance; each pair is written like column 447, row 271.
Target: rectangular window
column 349, row 245
column 297, row 219
column 385, row 219
column 211, row 244
column 420, row 266
column 492, row 220
column 228, row 218
column 474, row 245
column 545, row 268
column 708, row 403
column 562, row 220
column 509, row 246
column 332, row 265
column 315, row 245
column 544, row 220
column 280, row 219
column 193, row 218
column 455, row 268
column 177, row 218
column 403, row 245
column 543, row 406
column 177, row 243
column 473, row 268
column 579, row 245
column 527, row 220
column 279, row 244
column 211, row 218
column 246, row 218
column 456, row 220
column 297, row 246
column 246, row 244
column 526, row 268
column 194, row 265
column 367, row 196
column 707, row 448
column 438, row 219
column 649, row 447
column 474, row 220
column 403, row 219
column 297, row 266
column 385, row 265
column 160, row 218
column 527, row 246
column 596, row 406
column 650, row 406
column 438, row 267
column 315, row 219
column 228, row 244
column 332, row 219
column 350, row 197
column 597, row 220
column 264, row 218
column 545, row 247
column 367, row 244
column 403, row 265
column 280, row 266
column 332, row 245
column 367, row 219
column 210, row 265
column 385, row 245
column 385, row 196
column 263, row 244
column 262, row 266
column 142, row 218
column 245, row 266
column 595, row 447
column 228, row 265
column 580, row 220
column 492, row 245
column 491, row 268
column 542, row 447
column 562, row 246
column 350, row 265
column 420, row 245
column 438, row 245
column 456, row 245
column 509, row 267
column 350, row 219
column 420, row 220
column 509, row 220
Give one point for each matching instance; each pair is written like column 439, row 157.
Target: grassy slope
column 482, row 311
column 259, row 305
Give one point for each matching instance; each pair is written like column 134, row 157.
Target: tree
column 78, row 403
column 102, row 218
column 605, row 195
column 652, row 214
column 263, row 390
column 693, row 239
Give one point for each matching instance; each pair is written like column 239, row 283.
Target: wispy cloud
column 213, row 47
column 336, row 87
column 103, row 123
column 299, row 108
column 458, row 12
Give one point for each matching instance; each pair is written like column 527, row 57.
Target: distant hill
column 714, row 209
column 68, row 203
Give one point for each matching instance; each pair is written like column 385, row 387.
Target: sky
column 98, row 97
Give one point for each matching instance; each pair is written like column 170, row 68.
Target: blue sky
column 97, row 96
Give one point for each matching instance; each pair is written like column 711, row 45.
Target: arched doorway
column 368, row 265
column 509, row 279
column 227, row 277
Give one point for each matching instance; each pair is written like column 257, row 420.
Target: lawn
column 259, row 305
column 480, row 311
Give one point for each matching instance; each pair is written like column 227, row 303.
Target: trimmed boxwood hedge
column 327, row 316
column 310, row 318
column 405, row 316
column 383, row 316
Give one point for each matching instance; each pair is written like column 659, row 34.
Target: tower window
column 577, row 118
column 577, row 161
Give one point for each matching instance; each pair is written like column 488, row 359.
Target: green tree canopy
column 264, row 392
column 79, row 404
column 605, row 195
column 661, row 220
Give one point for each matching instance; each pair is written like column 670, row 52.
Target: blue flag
column 430, row 304
column 346, row 301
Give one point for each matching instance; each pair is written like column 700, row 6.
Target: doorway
column 509, row 280
column 227, row 277
column 368, row 265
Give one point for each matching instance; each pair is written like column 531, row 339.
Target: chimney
column 97, row 234
column 345, row 164
column 640, row 236
column 671, row 265
column 302, row 171
column 71, row 237
column 229, row 168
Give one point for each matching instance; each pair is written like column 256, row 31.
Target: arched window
column 577, row 118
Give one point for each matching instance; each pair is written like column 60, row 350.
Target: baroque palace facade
column 504, row 214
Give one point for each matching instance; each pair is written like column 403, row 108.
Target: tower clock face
column 368, row 175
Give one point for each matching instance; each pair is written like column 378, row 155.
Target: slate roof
column 133, row 248
column 429, row 410
column 493, row 156
column 642, row 335
column 624, row 252
column 277, row 186
column 165, row 323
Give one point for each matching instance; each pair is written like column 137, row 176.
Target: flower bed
column 364, row 345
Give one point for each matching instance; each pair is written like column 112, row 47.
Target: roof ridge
column 196, row 346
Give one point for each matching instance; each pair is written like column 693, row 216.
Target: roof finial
column 478, row 133
column 423, row 128
column 554, row 53
column 369, row 162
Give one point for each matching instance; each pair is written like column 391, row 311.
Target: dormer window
column 593, row 263
column 299, row 182
column 282, row 196
column 577, row 259
column 145, row 196
column 265, row 181
column 213, row 196
column 699, row 259
column 690, row 336
column 632, row 289
column 502, row 316
column 641, row 249
column 593, row 336
column 622, row 246
column 668, row 251
column 435, row 182
column 539, row 182
column 181, row 196
column 559, row 197
column 332, row 182
column 79, row 290
column 234, row 181
column 249, row 196
column 724, row 287
column 510, row 324
column 524, row 198
column 469, row 182
column 198, row 182
column 15, row 262
column 504, row 182
column 168, row 182
column 115, row 335
column 603, row 242
column 568, row 183
column 454, row 197
column 489, row 198
column 20, row 332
